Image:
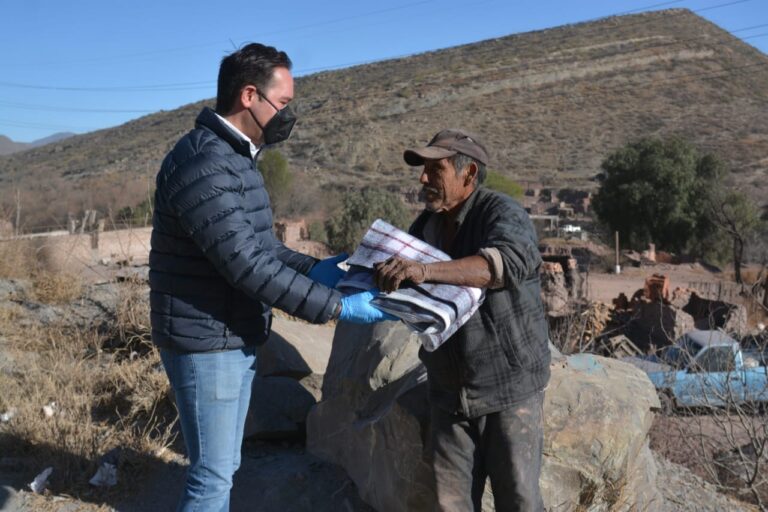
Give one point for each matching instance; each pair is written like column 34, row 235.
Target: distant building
column 546, row 225
column 533, row 189
column 565, row 212
column 291, row 231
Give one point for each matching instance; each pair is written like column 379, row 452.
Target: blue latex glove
column 327, row 271
column 358, row 309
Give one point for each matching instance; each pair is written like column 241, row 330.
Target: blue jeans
column 213, row 390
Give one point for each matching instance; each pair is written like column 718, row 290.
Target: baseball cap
column 446, row 144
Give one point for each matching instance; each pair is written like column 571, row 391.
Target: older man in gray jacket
column 486, row 381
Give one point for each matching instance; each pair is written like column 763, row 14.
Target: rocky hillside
column 550, row 104
column 8, row 146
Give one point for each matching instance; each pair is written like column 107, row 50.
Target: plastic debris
column 40, row 482
column 106, row 475
column 49, row 410
column 8, row 415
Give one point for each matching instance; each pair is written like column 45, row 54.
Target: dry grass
column 56, row 287
column 108, row 387
column 17, row 259
column 697, row 439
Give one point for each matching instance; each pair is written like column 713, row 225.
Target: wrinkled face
column 442, row 190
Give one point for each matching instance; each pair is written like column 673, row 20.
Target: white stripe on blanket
column 436, row 311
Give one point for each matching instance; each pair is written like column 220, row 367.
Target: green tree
column 278, row 179
column 501, row 183
column 738, row 218
column 358, row 211
column 658, row 191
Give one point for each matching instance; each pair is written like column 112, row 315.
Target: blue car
column 705, row 369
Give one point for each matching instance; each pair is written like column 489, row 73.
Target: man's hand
column 357, row 308
column 327, row 271
column 391, row 273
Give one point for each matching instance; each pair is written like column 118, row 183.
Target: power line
column 185, row 86
column 562, row 39
column 533, row 70
column 321, row 110
column 25, row 124
column 266, row 34
column 542, row 98
column 50, row 108
column 132, row 88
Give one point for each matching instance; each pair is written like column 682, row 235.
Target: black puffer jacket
column 215, row 264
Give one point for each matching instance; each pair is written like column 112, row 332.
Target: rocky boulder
column 278, row 408
column 374, row 416
column 658, row 324
column 290, row 368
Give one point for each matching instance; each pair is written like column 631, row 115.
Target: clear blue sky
column 82, row 65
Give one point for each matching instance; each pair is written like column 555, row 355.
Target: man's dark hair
column 460, row 161
column 253, row 64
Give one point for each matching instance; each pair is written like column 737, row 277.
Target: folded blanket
column 436, row 311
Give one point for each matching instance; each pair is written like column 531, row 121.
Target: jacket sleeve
column 210, row 211
column 299, row 262
column 511, row 232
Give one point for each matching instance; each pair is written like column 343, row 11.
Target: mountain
column 56, row 137
column 550, row 105
column 7, row 146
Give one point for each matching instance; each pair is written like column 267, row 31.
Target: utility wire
column 531, row 71
column 322, row 110
column 261, row 35
column 207, row 83
column 51, row 108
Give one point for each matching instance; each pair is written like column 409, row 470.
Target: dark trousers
column 505, row 446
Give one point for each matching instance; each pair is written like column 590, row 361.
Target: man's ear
column 248, row 96
column 471, row 174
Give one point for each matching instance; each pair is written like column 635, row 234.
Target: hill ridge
column 549, row 103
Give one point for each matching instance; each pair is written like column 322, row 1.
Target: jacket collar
column 208, row 119
column 467, row 206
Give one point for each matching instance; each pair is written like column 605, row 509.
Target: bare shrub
column 56, row 287
column 17, row 259
column 131, row 330
column 714, row 422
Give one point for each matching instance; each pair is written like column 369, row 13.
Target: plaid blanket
column 436, row 311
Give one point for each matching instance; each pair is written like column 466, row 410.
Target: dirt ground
column 605, row 287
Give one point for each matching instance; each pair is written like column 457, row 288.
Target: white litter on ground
column 106, row 475
column 49, row 410
column 40, row 482
column 8, row 415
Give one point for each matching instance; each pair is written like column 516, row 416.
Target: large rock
column 295, row 349
column 278, row 409
column 290, row 367
column 659, row 324
column 374, row 417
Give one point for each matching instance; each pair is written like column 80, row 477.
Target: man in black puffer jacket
column 216, row 267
